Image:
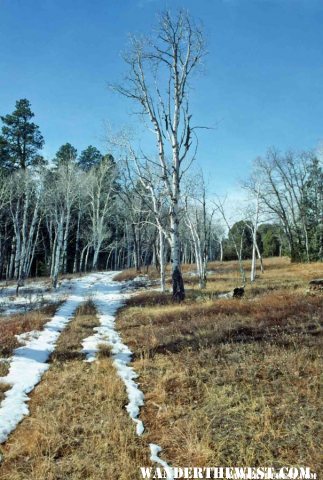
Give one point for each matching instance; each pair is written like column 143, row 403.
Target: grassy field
column 232, row 381
column 77, row 428
column 226, row 382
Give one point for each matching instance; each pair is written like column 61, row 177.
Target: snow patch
column 29, row 362
column 33, row 295
column 107, row 300
column 154, row 457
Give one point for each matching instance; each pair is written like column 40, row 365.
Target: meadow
column 226, row 382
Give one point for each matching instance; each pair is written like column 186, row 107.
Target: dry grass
column 22, row 323
column 69, row 342
column 232, row 382
column 77, row 428
column 227, row 382
column 104, row 351
column 3, row 388
column 131, row 273
column 127, row 275
column 223, row 276
column 4, row 367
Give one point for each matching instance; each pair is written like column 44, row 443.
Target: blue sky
column 262, row 85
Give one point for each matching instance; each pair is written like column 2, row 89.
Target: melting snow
column 154, row 451
column 29, row 362
column 31, row 296
column 108, row 298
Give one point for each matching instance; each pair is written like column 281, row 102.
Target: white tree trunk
column 162, row 260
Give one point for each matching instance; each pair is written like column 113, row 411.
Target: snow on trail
column 29, row 362
column 107, row 299
column 154, row 452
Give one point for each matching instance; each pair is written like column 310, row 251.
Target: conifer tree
column 21, row 139
column 66, row 154
column 90, row 157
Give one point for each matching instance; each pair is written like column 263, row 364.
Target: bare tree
column 24, row 206
column 61, row 195
column 199, row 222
column 143, row 181
column 101, row 191
column 158, row 80
column 252, row 222
column 238, row 248
column 291, row 190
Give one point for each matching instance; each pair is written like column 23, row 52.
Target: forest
column 87, row 211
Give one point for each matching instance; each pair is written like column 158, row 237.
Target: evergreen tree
column 312, row 208
column 271, row 235
column 21, row 139
column 243, row 239
column 89, row 158
column 66, row 154
column 5, row 162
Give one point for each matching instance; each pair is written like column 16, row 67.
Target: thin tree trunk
column 77, row 241
column 162, row 260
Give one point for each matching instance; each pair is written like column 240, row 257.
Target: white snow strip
column 108, row 299
column 29, row 362
column 154, row 451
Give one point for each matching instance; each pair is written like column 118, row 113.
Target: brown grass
column 68, row 344
column 223, row 276
column 77, row 428
column 131, row 273
column 4, row 367
column 3, row 388
column 22, row 323
column 126, row 275
column 228, row 381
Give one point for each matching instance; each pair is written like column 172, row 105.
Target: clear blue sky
column 262, row 86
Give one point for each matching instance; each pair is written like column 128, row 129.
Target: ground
column 226, row 382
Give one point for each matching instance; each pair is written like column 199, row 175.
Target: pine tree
column 5, row 162
column 66, row 154
column 21, row 139
column 90, row 157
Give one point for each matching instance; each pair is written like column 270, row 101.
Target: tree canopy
column 20, row 140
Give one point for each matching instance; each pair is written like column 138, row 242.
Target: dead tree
column 159, row 74
column 253, row 224
column 238, row 248
column 199, row 223
column 101, row 191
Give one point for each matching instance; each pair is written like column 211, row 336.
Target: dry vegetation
column 126, row 275
column 226, row 381
column 3, row 388
column 232, row 382
column 22, row 323
column 77, row 428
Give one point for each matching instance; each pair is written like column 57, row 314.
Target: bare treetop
column 158, row 78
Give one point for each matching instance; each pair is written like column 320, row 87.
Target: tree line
column 91, row 211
